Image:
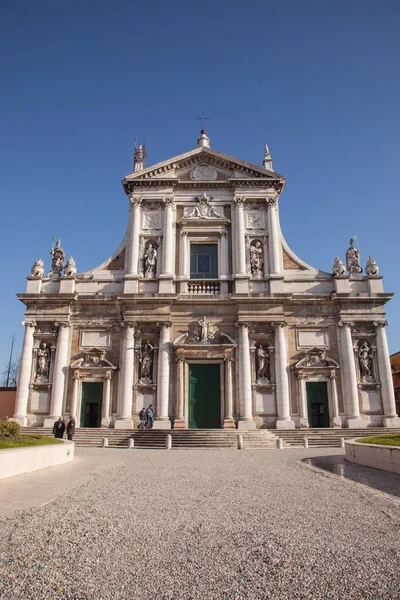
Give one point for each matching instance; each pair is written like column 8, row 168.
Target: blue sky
column 317, row 80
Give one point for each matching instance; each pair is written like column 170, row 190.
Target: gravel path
column 205, row 525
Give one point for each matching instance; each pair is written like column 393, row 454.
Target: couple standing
column 59, row 428
column 146, row 417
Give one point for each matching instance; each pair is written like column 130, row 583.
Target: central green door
column 318, row 407
column 92, row 395
column 204, row 397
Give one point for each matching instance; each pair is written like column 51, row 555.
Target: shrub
column 9, row 429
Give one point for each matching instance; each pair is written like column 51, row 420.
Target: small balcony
column 201, row 287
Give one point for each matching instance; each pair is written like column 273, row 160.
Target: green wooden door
column 204, row 397
column 92, row 395
column 317, row 401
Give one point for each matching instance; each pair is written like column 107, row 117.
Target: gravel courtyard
column 202, row 525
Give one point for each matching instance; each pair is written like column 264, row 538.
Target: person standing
column 71, row 428
column 150, row 415
column 59, row 428
column 142, row 419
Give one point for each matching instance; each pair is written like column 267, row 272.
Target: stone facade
column 205, row 277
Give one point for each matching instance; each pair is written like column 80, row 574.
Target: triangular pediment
column 203, row 164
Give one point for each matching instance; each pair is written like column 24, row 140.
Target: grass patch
column 390, row 439
column 27, row 440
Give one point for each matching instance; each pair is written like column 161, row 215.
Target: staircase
column 213, row 438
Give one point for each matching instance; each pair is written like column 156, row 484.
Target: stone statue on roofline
column 338, row 267
column 57, row 259
column 70, row 267
column 371, row 267
column 38, row 268
column 353, row 259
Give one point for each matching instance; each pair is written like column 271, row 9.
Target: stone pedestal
column 284, row 423
column 123, row 424
column 242, row 284
column 375, row 284
column 67, row 285
column 166, row 284
column 34, row 285
column 356, row 423
column 131, row 284
column 162, row 424
column 342, row 284
column 276, row 284
column 246, row 425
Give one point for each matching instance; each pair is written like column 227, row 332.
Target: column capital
column 280, row 324
column 271, row 202
column 169, row 201
column 28, row 323
column 164, row 324
column 239, row 201
column 228, row 359
column 380, row 323
column 245, row 324
column 301, row 376
column 131, row 324
column 76, row 375
column 180, row 359
column 135, row 200
column 184, row 233
column 346, row 323
column 61, row 324
column 108, row 375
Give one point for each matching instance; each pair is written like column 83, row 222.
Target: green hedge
column 9, row 429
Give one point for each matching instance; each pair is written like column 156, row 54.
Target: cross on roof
column 203, row 118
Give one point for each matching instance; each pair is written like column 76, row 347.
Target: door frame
column 221, row 386
column 328, row 402
column 100, row 381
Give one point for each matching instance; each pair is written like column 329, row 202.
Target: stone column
column 274, row 247
column 224, row 262
column 229, row 422
column 132, row 257
column 105, row 413
column 59, row 375
column 125, row 388
column 179, row 422
column 162, row 420
column 390, row 418
column 24, row 377
column 284, row 420
column 349, row 378
column 167, row 275
column 246, row 409
column 274, row 238
column 304, row 423
column 184, row 271
column 336, row 420
column 75, row 392
column 241, row 277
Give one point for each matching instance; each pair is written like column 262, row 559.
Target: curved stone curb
column 386, row 458
column 15, row 461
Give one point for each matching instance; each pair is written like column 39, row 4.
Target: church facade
column 205, row 313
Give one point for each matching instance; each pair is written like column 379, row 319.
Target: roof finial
column 203, row 140
column 267, row 162
column 139, row 157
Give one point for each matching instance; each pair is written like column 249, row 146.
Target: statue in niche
column 146, row 362
column 38, row 268
column 150, row 261
column 70, row 267
column 57, row 259
column 205, row 333
column 204, row 209
column 353, row 259
column 43, row 361
column 262, row 364
column 338, row 267
column 371, row 267
column 365, row 361
column 256, row 259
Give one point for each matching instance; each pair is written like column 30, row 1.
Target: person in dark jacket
column 142, row 418
column 71, row 428
column 59, row 428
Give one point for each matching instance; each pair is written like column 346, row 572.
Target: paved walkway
column 200, row 525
